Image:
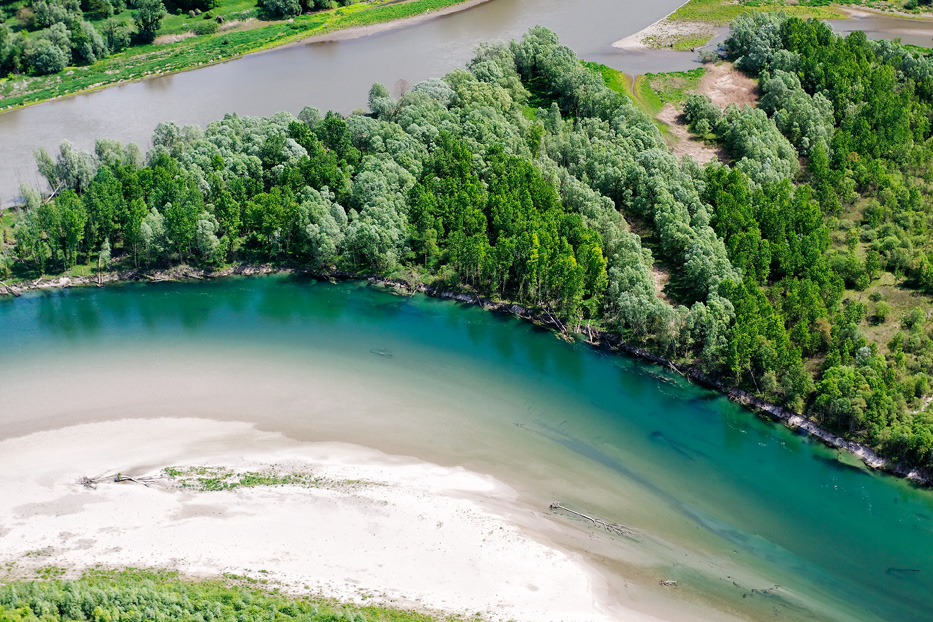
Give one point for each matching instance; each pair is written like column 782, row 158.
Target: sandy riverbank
column 381, row 527
column 663, row 33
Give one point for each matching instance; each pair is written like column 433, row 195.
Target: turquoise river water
column 751, row 519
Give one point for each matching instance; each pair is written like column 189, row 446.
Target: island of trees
column 573, row 205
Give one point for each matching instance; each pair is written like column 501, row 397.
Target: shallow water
column 723, row 502
column 887, row 27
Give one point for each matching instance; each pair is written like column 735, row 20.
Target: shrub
column 701, row 108
column 205, row 28
column 44, row 57
column 882, row 311
column 117, row 34
column 280, row 9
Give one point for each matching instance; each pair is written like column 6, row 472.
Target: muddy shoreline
column 596, row 338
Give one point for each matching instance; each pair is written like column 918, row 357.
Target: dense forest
column 132, row 596
column 573, row 205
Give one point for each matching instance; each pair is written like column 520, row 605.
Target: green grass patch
column 673, row 87
column 901, row 301
column 637, row 89
column 229, row 10
column 7, row 220
column 645, row 95
column 687, row 43
column 141, row 61
column 219, row 478
column 614, row 79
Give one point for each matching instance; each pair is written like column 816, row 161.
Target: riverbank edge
column 596, row 338
column 673, row 28
column 324, row 35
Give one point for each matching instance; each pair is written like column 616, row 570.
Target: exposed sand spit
column 665, row 33
column 391, row 528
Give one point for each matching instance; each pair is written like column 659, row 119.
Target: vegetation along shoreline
column 596, row 338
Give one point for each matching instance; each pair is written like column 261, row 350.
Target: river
column 888, row 27
column 334, row 75
column 725, row 503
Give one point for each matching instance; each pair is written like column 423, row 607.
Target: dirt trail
column 684, row 143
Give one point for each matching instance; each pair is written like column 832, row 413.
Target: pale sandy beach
column 381, row 527
column 662, row 34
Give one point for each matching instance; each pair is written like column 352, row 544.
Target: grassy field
column 241, row 34
column 672, row 88
column 721, row 12
column 695, row 23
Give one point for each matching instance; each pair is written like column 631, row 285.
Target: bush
column 280, row 9
column 87, row 45
column 148, row 16
column 117, row 34
column 806, row 121
column 183, row 6
column 44, row 58
column 882, row 311
column 205, row 28
column 699, row 108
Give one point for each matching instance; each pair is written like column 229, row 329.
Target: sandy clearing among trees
column 686, row 144
column 727, row 85
column 724, row 84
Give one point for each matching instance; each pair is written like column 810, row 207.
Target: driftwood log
column 123, row 478
column 610, row 527
column 10, row 289
column 92, row 482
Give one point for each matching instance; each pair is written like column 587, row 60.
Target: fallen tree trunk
column 610, row 527
column 10, row 289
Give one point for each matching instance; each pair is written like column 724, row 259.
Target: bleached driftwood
column 610, row 527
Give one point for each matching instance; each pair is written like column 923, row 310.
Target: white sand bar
column 410, row 533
